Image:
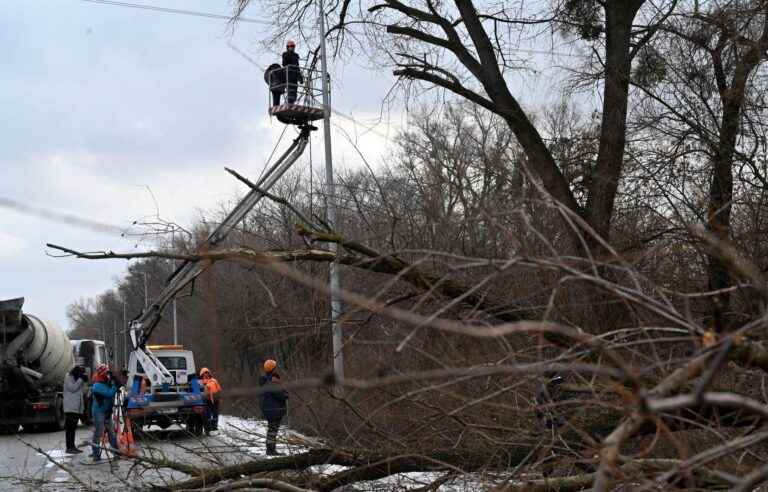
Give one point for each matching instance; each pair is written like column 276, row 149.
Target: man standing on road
column 103, row 391
column 212, row 390
column 74, row 382
column 273, row 404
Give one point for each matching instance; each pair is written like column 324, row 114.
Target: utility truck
column 181, row 404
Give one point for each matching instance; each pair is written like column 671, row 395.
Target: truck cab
column 163, row 405
column 89, row 354
column 179, row 362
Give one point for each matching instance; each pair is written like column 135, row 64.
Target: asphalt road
column 24, row 467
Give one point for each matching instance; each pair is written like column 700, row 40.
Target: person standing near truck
column 103, row 391
column 273, row 404
column 212, row 393
column 74, row 382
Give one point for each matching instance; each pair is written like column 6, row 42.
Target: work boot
column 73, row 451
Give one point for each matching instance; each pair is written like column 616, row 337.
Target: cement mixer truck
column 35, row 355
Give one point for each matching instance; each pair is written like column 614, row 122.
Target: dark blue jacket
column 273, row 402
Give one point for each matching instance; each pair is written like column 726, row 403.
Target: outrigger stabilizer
column 142, row 326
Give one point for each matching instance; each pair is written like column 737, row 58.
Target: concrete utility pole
column 175, row 323
column 338, row 341
column 125, row 336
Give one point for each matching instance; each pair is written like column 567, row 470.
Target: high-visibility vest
column 212, row 387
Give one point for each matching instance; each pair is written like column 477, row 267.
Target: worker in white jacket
column 74, row 383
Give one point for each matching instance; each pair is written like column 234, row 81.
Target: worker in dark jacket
column 273, row 404
column 293, row 75
column 275, row 78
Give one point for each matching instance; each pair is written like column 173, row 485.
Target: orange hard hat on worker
column 270, row 365
column 205, row 371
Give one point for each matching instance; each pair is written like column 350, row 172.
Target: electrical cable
column 285, row 127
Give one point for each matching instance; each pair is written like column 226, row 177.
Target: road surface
column 22, row 467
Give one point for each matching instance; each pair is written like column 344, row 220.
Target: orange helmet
column 269, row 365
column 204, row 371
column 290, row 43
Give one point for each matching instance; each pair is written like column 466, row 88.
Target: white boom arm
column 141, row 327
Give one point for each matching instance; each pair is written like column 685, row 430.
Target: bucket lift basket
column 301, row 94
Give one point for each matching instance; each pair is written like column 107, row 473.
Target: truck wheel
column 59, row 417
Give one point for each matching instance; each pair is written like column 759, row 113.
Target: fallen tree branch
column 296, row 462
column 267, row 483
column 77, row 479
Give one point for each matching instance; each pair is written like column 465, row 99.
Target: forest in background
column 624, row 250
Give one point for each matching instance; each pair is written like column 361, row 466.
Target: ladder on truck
column 142, row 326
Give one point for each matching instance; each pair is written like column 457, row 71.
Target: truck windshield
column 174, row 363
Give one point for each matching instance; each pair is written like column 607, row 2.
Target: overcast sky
column 101, row 103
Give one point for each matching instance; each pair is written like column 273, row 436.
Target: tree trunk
column 719, row 208
column 604, row 178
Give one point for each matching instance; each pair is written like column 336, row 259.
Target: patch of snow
column 57, row 455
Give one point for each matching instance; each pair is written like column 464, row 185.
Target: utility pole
column 338, row 355
column 146, row 295
column 175, row 323
column 125, row 336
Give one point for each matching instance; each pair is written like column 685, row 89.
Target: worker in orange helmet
column 273, row 404
column 102, row 394
column 212, row 391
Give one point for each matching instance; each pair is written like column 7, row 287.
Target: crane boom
column 142, row 326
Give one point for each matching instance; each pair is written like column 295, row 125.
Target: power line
column 166, row 10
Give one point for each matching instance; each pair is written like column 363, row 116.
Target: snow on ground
column 238, row 440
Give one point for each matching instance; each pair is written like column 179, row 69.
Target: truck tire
column 59, row 417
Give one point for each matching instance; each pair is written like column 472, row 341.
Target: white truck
column 179, row 403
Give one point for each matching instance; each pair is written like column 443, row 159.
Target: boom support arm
column 142, row 326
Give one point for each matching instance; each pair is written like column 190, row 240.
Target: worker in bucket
column 212, row 395
column 273, row 404
column 293, row 75
column 74, row 383
column 103, row 395
column 275, row 78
